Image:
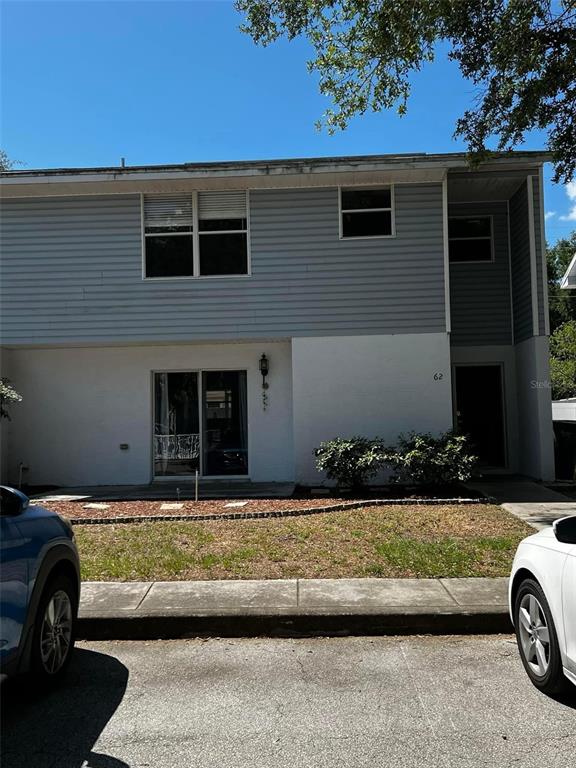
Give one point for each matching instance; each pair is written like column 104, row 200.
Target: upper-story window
column 470, row 238
column 367, row 212
column 200, row 234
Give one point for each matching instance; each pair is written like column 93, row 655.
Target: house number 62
column 438, row 376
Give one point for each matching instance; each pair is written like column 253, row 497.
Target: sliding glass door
column 200, row 423
column 176, row 424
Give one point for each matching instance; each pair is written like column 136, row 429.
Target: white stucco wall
column 5, row 424
column 535, row 408
column 81, row 404
column 505, row 356
column 376, row 386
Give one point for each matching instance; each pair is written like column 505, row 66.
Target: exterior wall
column 480, row 292
column 533, row 395
column 520, row 265
column 504, row 356
column 80, row 404
column 376, row 386
column 539, row 245
column 5, row 424
column 72, row 273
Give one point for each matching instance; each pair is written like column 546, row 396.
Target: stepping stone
column 171, row 506
column 236, row 504
column 95, row 506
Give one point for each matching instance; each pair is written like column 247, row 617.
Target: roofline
column 287, row 166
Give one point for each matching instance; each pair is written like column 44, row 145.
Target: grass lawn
column 401, row 541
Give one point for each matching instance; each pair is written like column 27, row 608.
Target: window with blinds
column 223, row 233
column 196, row 235
column 169, row 235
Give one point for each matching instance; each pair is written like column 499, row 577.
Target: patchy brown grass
column 388, row 541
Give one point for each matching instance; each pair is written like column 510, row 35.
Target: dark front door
column 480, row 411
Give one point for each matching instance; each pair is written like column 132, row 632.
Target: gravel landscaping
column 80, row 511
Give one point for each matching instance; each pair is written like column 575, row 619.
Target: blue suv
column 39, row 588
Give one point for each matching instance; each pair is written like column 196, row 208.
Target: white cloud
column 549, row 215
column 571, row 192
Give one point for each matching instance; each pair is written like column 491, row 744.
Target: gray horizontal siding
column 480, row 293
column 71, row 272
column 520, row 252
column 540, row 256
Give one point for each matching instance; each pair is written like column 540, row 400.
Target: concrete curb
column 263, row 514
column 292, row 608
column 170, row 627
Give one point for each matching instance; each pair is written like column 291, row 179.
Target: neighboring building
column 387, row 293
column 564, row 417
column 564, row 410
column 569, row 279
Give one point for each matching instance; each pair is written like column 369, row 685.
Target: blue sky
column 85, row 82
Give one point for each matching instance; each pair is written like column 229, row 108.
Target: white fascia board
column 253, row 174
column 144, row 183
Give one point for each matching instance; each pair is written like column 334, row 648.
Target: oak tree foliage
column 520, row 56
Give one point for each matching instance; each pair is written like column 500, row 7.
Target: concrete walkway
column 532, row 502
column 136, row 610
column 171, row 491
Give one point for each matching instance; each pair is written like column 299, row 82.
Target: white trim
column 302, row 168
column 477, row 202
column 195, row 236
column 447, row 311
column 391, row 209
column 170, row 186
column 143, row 236
column 533, row 264
column 248, row 235
column 543, row 255
column 512, row 337
column 492, row 258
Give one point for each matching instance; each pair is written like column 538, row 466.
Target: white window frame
column 488, row 216
column 391, row 210
column 196, row 244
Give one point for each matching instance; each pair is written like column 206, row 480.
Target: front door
column 200, row 423
column 479, row 413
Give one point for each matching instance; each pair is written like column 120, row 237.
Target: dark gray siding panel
column 480, row 293
column 540, row 256
column 520, row 250
column 72, row 272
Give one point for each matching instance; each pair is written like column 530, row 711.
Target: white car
column 542, row 599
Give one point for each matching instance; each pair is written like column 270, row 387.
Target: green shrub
column 421, row 459
column 351, row 462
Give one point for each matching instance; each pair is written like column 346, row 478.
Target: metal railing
column 168, row 447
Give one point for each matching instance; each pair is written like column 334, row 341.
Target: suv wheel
column 54, row 629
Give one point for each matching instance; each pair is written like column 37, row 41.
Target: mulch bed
column 135, row 511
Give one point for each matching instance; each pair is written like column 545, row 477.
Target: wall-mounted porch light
column 264, row 369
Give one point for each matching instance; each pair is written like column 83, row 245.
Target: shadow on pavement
column 58, row 728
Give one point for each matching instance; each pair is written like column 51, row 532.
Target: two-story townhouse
column 227, row 317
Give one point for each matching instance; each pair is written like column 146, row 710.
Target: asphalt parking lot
column 409, row 701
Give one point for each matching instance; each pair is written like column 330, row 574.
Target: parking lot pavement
column 349, row 702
